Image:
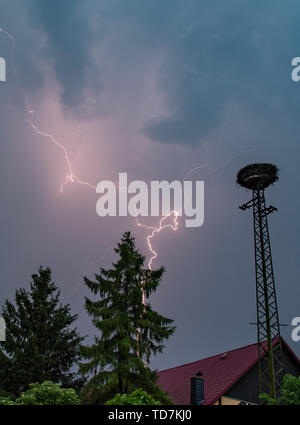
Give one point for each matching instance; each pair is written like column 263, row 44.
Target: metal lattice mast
column 270, row 363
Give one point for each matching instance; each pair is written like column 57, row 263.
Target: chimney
column 197, row 389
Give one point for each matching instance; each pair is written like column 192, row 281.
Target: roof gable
column 220, row 372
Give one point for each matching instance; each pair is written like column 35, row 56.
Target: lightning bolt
column 170, row 221
column 70, row 177
column 222, row 165
column 173, row 225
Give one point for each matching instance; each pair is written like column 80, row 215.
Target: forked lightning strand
column 168, row 222
column 173, row 216
column 70, row 177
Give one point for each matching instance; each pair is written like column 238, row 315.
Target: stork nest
column 257, row 176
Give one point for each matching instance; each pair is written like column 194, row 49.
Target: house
column 227, row 378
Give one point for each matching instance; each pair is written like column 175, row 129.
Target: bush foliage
column 290, row 392
column 137, row 397
column 46, row 393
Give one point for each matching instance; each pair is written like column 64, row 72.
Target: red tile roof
column 220, row 372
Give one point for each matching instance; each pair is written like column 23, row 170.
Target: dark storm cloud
column 212, row 54
column 215, row 55
column 222, row 53
column 22, row 57
column 69, row 40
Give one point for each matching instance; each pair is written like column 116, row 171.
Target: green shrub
column 48, row 393
column 136, row 397
column 5, row 397
column 7, row 401
column 290, row 392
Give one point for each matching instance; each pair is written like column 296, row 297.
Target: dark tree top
column 41, row 344
column 129, row 330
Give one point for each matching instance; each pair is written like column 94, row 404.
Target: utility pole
column 257, row 177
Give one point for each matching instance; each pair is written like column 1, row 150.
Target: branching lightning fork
column 70, row 177
column 173, row 215
column 168, row 222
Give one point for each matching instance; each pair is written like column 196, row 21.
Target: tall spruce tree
column 130, row 331
column 40, row 343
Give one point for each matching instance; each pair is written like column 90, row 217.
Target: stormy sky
column 152, row 88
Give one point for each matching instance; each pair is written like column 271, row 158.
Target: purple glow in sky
column 161, row 91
